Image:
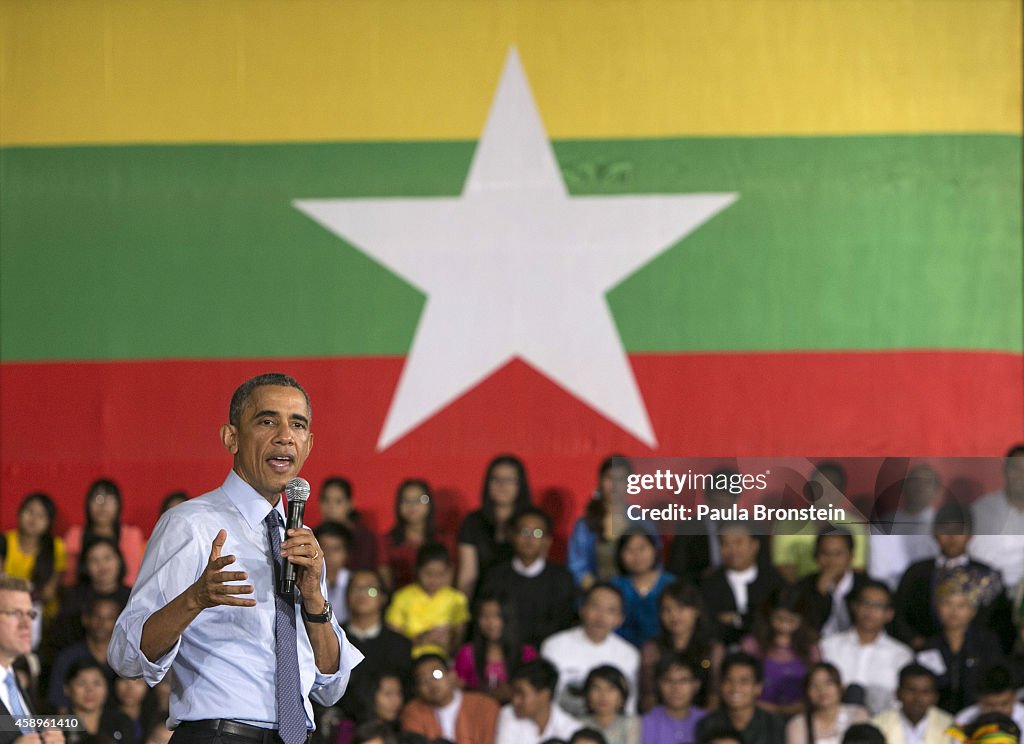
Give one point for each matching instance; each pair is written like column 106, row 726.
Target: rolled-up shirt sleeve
column 174, row 559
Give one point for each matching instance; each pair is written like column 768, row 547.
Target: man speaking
column 246, row 657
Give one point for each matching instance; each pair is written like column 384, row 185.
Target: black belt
column 235, row 728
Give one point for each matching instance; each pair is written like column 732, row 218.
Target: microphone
column 297, row 492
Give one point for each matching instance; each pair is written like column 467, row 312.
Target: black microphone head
column 297, row 489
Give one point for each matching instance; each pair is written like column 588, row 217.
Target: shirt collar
column 532, row 571
column 250, row 504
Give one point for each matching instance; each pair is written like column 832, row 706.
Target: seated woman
column 605, row 692
column 31, row 551
column 485, row 537
column 592, row 544
column 782, row 638
column 641, row 582
column 825, row 719
column 961, row 650
column 87, row 689
column 414, row 528
column 487, row 662
column 685, row 629
column 103, row 519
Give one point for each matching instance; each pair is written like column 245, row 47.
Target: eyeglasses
column 536, row 534
column 21, row 614
column 421, row 499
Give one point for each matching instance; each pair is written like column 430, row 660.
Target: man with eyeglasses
column 16, row 616
column 541, row 592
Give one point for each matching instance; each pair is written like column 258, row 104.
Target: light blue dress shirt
column 224, row 663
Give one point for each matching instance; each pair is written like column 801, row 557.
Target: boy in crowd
column 742, row 681
column 431, row 612
column 334, row 541
column 532, row 716
column 917, row 720
column 541, row 592
column 996, row 694
column 866, row 655
column 441, row 710
column 734, row 591
column 676, row 718
column 576, row 651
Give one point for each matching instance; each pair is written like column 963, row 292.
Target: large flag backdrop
column 560, row 229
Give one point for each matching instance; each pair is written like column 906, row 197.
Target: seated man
column 866, row 655
column 999, row 522
column 826, row 592
column 676, row 718
column 903, row 537
column 915, row 602
column 996, row 694
column 441, row 710
column 741, row 683
column 98, row 620
column 575, row 652
column 916, row 720
column 541, row 592
column 532, row 716
column 736, row 590
column 334, row 541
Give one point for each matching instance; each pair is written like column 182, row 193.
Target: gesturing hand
column 301, row 548
column 211, row 590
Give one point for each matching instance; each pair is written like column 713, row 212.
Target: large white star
column 515, row 267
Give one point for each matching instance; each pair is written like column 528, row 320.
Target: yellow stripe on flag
column 223, row 71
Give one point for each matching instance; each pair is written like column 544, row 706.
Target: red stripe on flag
column 153, row 425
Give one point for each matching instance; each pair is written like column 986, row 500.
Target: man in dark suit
column 734, row 591
column 16, row 616
column 916, row 620
column 825, row 594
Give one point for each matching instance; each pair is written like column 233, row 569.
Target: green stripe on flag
column 865, row 242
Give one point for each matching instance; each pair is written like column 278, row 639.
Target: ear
column 229, row 438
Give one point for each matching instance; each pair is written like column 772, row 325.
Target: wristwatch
column 323, row 617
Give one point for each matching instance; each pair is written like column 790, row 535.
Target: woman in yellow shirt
column 33, row 553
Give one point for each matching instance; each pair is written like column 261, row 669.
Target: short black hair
column 740, row 659
column 994, row 680
column 863, row 733
column 953, row 518
column 431, row 657
column 333, row 529
column 606, row 585
column 336, row 480
column 1015, row 450
column 677, row 659
column 721, row 734
column 914, row 670
column 857, row 594
column 840, row 532
column 589, row 735
column 431, row 552
column 539, row 673
column 242, row 393
column 613, row 676
column 537, row 513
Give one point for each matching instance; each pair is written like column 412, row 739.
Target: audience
column 676, row 717
column 87, row 689
column 533, row 717
column 685, row 628
column 996, row 693
column 902, row 537
column 496, row 650
column 825, row 594
column 485, row 535
column 31, row 552
column 739, row 689
column 103, row 519
column 98, row 620
column 540, row 591
column 916, row 720
column 335, row 502
column 999, row 522
column 605, row 692
column 334, row 541
column 641, row 582
column 826, row 717
column 866, row 655
column 576, row 651
column 441, row 709
column 592, row 553
column 414, row 527
column 430, row 612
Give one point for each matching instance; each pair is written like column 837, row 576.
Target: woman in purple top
column 787, row 646
column 675, row 720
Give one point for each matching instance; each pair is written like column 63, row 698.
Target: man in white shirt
column 533, row 717
column 576, row 651
column 16, row 617
column 916, row 720
column 866, row 655
column 996, row 694
column 999, row 522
